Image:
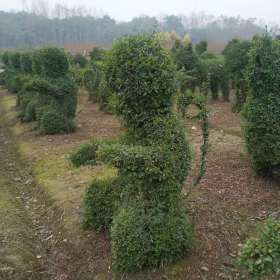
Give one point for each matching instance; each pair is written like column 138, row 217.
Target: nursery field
column 38, row 183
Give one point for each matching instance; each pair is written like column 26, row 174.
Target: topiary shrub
column 99, row 204
column 261, row 255
column 26, row 62
column 262, row 111
column 92, row 78
column 14, row 61
column 201, row 47
column 236, row 55
column 51, row 121
column 186, row 59
column 149, row 225
column 50, row 62
column 85, row 154
column 215, row 75
column 50, row 96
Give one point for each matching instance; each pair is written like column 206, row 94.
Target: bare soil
column 225, row 207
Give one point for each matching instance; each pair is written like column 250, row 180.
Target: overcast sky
column 269, row 10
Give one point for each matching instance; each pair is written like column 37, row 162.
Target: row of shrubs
column 89, row 73
column 251, row 68
column 46, row 91
column 200, row 70
column 261, row 122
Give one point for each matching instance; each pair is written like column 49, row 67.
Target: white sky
column 269, row 10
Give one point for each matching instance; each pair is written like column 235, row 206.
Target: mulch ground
column 225, row 208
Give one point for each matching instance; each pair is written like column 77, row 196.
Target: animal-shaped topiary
column 50, row 96
column 142, row 207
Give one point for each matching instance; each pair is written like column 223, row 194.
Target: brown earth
column 225, row 207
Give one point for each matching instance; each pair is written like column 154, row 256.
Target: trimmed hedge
column 262, row 111
column 46, row 93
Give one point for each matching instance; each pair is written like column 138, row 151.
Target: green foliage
column 149, row 224
column 140, row 67
column 99, row 204
column 5, row 58
column 208, row 55
column 261, row 255
column 14, row 61
column 262, row 111
column 237, row 58
column 26, row 62
column 201, row 47
column 142, row 236
column 184, row 101
column 45, row 91
column 51, row 121
column 97, row 54
column 85, row 154
column 80, row 60
column 108, row 101
column 92, row 79
column 50, row 62
column 185, row 58
column 214, row 73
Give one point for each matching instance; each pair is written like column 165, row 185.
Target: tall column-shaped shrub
column 142, row 207
column 262, row 111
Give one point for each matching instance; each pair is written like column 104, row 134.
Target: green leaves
column 50, row 62
column 262, row 111
column 148, row 223
column 261, row 255
column 141, row 74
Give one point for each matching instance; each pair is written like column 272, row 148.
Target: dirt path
column 22, row 231
column 29, row 223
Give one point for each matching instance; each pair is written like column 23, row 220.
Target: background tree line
column 59, row 25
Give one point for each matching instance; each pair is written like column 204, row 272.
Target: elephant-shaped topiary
column 142, row 207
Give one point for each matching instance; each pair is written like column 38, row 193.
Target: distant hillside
column 21, row 30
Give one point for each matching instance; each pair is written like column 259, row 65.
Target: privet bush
column 236, row 57
column 214, row 73
column 186, row 59
column 100, row 201
column 261, row 255
column 92, row 78
column 45, row 91
column 147, row 221
column 262, row 111
column 201, row 47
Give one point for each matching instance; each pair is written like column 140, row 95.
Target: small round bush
column 261, row 255
column 51, row 121
column 99, row 204
column 144, row 237
column 85, row 155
